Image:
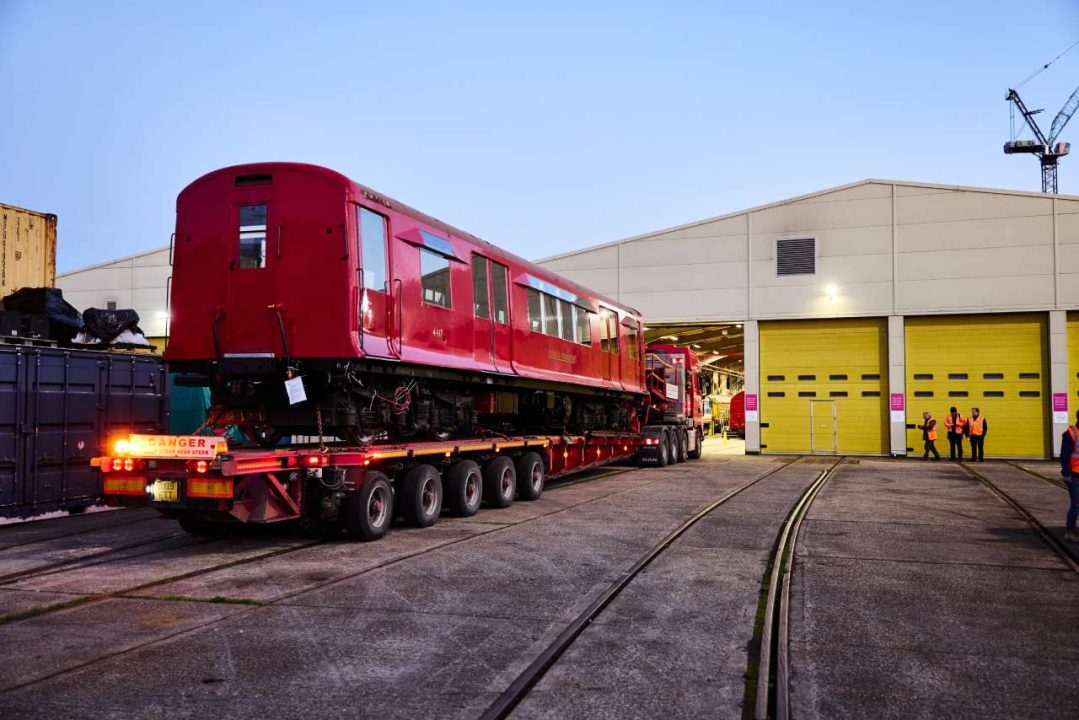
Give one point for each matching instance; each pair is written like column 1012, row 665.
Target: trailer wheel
column 695, row 454
column 367, row 513
column 531, row 476
column 464, row 488
column 672, row 448
column 499, row 481
column 663, row 455
column 421, row 495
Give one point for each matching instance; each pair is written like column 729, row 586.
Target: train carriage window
column 535, row 311
column 435, row 278
column 631, row 340
column 479, row 286
column 498, row 293
column 372, row 227
column 550, row 314
column 569, row 328
column 608, row 330
column 582, row 325
column 252, row 236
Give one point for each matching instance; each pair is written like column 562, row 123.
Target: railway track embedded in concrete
column 531, row 675
column 1055, row 544
column 772, row 697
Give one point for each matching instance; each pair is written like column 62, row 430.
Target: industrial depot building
column 856, row 308
column 864, row 305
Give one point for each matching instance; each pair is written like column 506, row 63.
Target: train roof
column 397, row 206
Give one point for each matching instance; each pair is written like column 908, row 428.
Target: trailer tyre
column 369, row 511
column 499, row 481
column 682, row 442
column 531, row 476
column 464, row 488
column 421, row 496
column 695, row 453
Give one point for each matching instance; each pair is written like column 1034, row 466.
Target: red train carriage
column 397, row 325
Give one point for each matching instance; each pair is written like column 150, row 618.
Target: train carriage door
column 484, row 346
column 500, row 317
column 249, row 328
column 374, row 323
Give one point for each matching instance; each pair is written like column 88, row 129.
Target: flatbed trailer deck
column 333, row 487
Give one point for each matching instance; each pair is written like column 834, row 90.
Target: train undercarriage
column 365, row 403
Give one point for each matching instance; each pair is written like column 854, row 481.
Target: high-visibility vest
column 977, row 425
column 1075, row 449
column 955, row 423
column 930, row 429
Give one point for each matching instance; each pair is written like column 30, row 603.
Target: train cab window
column 535, row 311
column 252, row 236
column 435, row 278
column 479, row 286
column 582, row 326
column 631, row 340
column 550, row 315
column 498, row 293
column 372, row 227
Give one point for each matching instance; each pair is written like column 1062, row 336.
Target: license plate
column 165, row 490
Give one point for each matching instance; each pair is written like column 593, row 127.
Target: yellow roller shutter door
column 994, row 362
column 824, row 386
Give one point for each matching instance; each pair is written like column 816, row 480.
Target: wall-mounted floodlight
column 831, row 291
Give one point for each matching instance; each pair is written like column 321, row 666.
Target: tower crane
column 1046, row 147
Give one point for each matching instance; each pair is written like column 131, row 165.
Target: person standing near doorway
column 929, row 436
column 956, row 426
column 977, row 429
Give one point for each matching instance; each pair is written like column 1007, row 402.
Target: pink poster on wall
column 899, row 404
column 1060, row 408
column 751, row 408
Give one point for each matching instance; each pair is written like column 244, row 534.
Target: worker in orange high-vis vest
column 929, row 436
column 977, row 429
column 956, row 426
column 1069, row 470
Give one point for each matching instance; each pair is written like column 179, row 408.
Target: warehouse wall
column 889, row 248
column 137, row 282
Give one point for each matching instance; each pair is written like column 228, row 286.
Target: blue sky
column 540, row 126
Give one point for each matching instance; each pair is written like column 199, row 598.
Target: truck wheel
column 421, row 496
column 499, row 481
column 695, row 453
column 464, row 488
column 683, row 443
column 530, row 476
column 672, row 448
column 663, row 450
column 367, row 513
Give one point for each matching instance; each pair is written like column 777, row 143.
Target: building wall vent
column 110, row 304
column 796, row 256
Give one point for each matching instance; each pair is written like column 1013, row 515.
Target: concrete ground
column 916, row 591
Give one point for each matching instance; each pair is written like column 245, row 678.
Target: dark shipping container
column 58, row 408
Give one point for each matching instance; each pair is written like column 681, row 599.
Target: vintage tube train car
column 392, row 324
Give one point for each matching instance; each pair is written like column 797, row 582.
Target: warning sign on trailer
column 193, row 447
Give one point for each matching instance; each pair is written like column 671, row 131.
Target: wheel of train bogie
column 695, row 454
column 368, row 512
column 531, row 476
column 663, row 450
column 464, row 488
column 499, row 481
column 421, row 496
column 682, row 441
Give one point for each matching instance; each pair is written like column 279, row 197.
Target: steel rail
column 777, row 611
column 1052, row 481
column 1055, row 544
column 530, row 676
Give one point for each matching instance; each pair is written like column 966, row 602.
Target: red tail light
column 197, row 466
